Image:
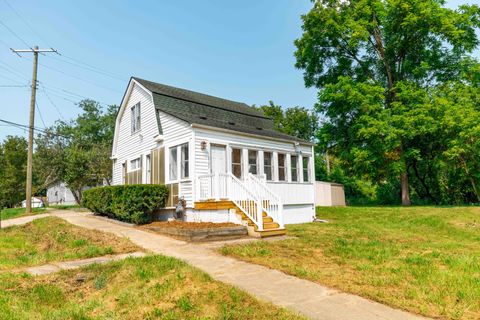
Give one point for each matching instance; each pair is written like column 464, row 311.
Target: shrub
column 129, row 203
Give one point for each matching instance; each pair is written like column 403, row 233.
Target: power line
column 88, row 67
column 70, row 94
column 13, row 32
column 10, row 79
column 24, row 126
column 26, row 22
column 40, row 114
column 51, row 101
column 11, row 70
column 12, row 86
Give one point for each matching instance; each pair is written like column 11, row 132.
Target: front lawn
column 18, row 212
column 53, row 239
column 154, row 287
column 421, row 259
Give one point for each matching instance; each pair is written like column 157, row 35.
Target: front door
column 218, row 159
column 218, row 166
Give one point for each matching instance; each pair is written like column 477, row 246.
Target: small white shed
column 36, row 203
column 328, row 194
column 59, row 193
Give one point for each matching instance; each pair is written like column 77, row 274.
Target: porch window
column 267, row 165
column 135, row 117
column 294, row 167
column 184, row 160
column 173, row 167
column 237, row 163
column 305, row 162
column 135, row 164
column 281, row 167
column 252, row 161
column 179, row 162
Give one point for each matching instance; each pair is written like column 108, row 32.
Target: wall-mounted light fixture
column 203, row 145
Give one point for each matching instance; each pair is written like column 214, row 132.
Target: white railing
column 272, row 203
column 227, row 186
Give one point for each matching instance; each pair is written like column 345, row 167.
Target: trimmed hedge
column 129, row 203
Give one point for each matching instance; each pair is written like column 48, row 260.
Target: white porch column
column 300, row 168
column 260, row 163
column 288, row 168
column 275, row 166
column 244, row 163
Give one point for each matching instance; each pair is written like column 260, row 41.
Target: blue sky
column 239, row 50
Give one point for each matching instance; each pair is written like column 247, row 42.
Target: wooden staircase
column 270, row 228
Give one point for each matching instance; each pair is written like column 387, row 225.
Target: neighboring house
column 224, row 158
column 59, row 193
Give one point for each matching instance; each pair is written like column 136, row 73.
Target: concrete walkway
column 75, row 264
column 23, row 220
column 308, row 298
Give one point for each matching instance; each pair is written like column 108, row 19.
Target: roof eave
column 293, row 140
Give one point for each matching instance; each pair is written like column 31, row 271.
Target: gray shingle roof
column 202, row 109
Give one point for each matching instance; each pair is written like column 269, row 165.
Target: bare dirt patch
column 190, row 225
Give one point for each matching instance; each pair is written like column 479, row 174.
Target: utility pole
column 31, row 124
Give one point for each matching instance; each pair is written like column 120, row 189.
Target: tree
column 13, row 164
column 375, row 63
column 78, row 152
column 295, row 121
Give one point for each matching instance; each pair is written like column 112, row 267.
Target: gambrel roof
column 202, row 109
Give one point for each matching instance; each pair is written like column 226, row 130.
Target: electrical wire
column 40, row 113
column 13, row 32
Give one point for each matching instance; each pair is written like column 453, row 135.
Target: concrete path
column 308, row 298
column 23, row 220
column 75, row 264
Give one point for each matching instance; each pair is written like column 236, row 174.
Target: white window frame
column 296, row 168
column 135, row 118
column 180, row 174
column 256, row 161
column 285, row 171
column 236, row 163
column 269, row 167
column 137, row 166
column 306, row 170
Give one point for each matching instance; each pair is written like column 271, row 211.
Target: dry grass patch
column 154, row 287
column 53, row 239
column 422, row 259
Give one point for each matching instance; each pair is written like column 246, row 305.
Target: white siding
column 298, row 197
column 130, row 146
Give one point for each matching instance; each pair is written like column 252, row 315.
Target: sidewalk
column 308, row 298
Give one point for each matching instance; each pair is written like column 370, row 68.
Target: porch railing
column 226, row 186
column 272, row 203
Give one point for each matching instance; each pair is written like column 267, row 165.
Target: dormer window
column 135, row 117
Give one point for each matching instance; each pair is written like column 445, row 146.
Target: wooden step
column 270, row 225
column 272, row 232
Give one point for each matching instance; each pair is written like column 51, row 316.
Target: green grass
column 18, row 212
column 53, row 239
column 153, row 287
column 422, row 259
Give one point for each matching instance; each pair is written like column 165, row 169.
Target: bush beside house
column 129, row 203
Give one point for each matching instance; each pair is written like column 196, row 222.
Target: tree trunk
column 405, row 190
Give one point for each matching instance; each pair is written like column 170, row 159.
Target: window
column 252, row 161
column 281, row 167
column 135, row 164
column 135, row 117
column 184, row 160
column 237, row 163
column 179, row 155
column 267, row 164
column 294, row 167
column 173, row 163
column 305, row 161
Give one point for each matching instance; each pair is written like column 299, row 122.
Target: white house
column 59, row 193
column 224, row 158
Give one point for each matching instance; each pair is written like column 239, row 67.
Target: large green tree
column 296, row 121
column 78, row 152
column 13, row 164
column 375, row 62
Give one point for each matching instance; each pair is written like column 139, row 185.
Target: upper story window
column 305, row 166
column 294, row 167
column 135, row 164
column 237, row 163
column 281, row 167
column 135, row 117
column 179, row 160
column 267, row 165
column 252, row 161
